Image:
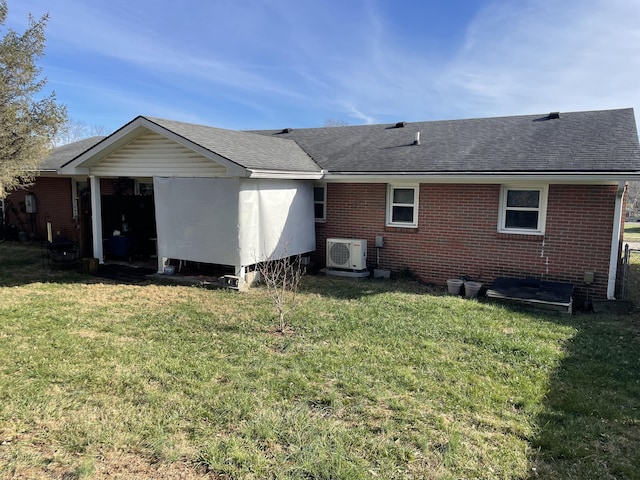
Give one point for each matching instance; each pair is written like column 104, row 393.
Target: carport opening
column 128, row 220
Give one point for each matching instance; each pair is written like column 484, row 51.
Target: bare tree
column 282, row 280
column 332, row 122
column 74, row 130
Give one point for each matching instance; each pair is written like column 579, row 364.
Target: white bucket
column 471, row 289
column 169, row 270
column 454, row 285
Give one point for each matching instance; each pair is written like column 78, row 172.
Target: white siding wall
column 152, row 154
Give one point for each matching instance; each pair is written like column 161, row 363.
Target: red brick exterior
column 457, row 234
column 53, row 204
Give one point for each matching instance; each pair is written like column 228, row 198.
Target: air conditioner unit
column 347, row 253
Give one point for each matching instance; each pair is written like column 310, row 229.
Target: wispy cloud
column 288, row 62
column 519, row 57
column 535, row 56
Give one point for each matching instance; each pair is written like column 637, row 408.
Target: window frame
column 541, row 209
column 322, row 202
column 143, row 191
column 390, row 205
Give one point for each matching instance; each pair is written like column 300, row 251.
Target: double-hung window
column 320, row 202
column 523, row 209
column 402, row 205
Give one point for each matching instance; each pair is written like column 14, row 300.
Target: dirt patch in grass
column 53, row 464
column 121, row 465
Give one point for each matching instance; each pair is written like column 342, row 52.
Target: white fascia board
column 595, row 178
column 285, row 174
column 78, row 171
column 45, row 172
column 49, row 174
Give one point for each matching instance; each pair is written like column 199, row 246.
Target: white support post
column 615, row 242
column 162, row 261
column 241, row 271
column 96, row 218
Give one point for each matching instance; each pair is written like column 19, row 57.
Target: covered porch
column 201, row 206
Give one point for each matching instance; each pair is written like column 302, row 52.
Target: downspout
column 615, row 242
column 96, row 218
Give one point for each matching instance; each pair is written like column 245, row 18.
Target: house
column 52, row 200
column 525, row 196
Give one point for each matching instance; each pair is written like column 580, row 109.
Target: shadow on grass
column 22, row 264
column 589, row 427
column 354, row 288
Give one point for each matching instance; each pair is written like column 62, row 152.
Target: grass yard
column 632, row 232
column 375, row 380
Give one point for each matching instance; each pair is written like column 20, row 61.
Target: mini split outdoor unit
column 349, row 253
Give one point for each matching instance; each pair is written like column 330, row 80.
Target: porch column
column 96, row 218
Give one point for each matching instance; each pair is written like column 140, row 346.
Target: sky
column 267, row 64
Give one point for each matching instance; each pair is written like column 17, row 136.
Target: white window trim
column 324, row 202
column 136, row 188
column 542, row 209
column 390, row 205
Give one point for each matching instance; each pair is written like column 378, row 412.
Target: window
column 144, row 188
column 523, row 209
column 402, row 206
column 320, row 202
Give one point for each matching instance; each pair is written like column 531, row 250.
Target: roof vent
column 554, row 115
column 286, row 130
column 401, row 124
column 417, row 140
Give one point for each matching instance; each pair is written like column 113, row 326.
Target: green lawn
column 632, row 232
column 375, row 380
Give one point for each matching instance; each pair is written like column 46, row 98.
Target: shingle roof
column 594, row 141
column 244, row 148
column 64, row 153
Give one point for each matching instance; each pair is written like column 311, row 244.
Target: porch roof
column 241, row 153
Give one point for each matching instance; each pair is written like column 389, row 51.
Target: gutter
column 285, row 174
column 475, row 177
column 615, row 242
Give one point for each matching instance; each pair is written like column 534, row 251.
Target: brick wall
column 457, row 234
column 53, row 204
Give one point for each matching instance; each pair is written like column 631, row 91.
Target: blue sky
column 260, row 64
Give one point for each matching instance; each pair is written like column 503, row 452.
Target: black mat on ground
column 124, row 273
column 532, row 290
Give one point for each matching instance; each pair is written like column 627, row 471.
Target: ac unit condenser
column 349, row 253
